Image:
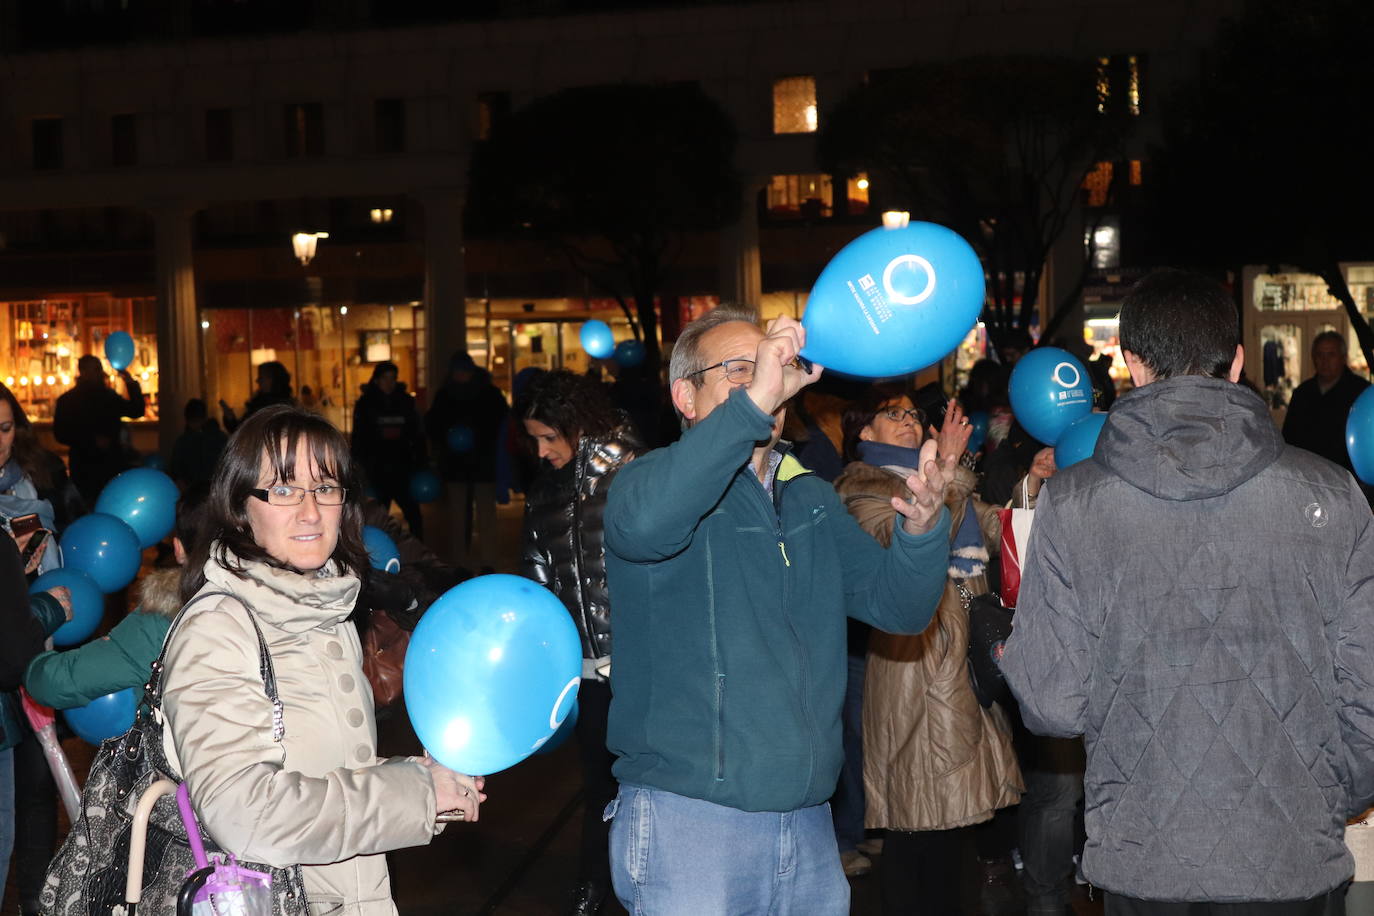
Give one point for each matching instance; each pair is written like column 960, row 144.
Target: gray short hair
column 687, row 359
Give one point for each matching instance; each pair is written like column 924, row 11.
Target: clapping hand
column 927, row 488
column 954, row 433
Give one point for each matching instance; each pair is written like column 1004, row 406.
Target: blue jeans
column 848, row 801
column 678, row 856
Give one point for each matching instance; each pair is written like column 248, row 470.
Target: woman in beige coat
column 934, row 760
column 285, row 521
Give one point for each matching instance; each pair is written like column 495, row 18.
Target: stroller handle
column 138, row 839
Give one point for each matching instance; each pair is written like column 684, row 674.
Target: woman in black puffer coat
column 582, row 441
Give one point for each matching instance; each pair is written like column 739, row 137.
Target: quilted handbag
column 87, row 876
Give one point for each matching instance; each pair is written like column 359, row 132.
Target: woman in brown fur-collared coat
column 935, row 762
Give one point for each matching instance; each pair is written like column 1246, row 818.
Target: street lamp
column 304, row 244
column 895, row 219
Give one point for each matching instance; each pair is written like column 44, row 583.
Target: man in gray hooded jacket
column 1198, row 603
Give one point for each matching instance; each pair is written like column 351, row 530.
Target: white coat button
column 334, row 650
column 354, row 717
column 364, row 753
column 346, row 682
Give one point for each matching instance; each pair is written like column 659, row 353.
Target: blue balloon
column 491, row 673
column 894, row 301
column 145, row 499
column 978, row 424
column 155, row 461
column 597, row 339
column 104, row 717
column 425, row 486
column 460, row 439
column 381, row 549
column 1359, row 436
column 1050, row 389
column 119, row 349
column 629, row 353
column 565, row 731
column 88, row 605
column 104, row 548
column 1078, row 441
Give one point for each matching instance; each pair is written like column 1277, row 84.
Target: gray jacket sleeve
column 1354, row 660
column 1048, row 658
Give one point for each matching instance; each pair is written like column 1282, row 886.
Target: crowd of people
column 774, row 605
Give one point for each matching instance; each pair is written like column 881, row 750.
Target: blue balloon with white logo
column 1050, row 389
column 978, row 430
column 119, row 349
column 103, row 547
column 1078, row 440
column 382, row 551
column 104, row 717
column 560, row 737
column 894, row 301
column 629, row 353
column 88, row 604
column 145, row 499
column 425, row 486
column 597, row 339
column 1359, row 436
column 491, row 672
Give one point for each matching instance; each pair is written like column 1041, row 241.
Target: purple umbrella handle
column 188, row 817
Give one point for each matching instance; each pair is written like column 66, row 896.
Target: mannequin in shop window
column 88, row 419
column 1319, row 406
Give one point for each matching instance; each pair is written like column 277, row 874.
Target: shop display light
column 52, row 380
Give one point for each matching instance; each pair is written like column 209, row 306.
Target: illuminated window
column 794, row 105
column 1119, row 83
column 1098, row 183
column 856, row 194
column 799, row 196
column 1135, row 173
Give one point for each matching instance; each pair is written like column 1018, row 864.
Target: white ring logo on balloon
column 553, row 713
column 1076, row 376
column 918, row 261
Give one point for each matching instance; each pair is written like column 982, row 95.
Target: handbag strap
column 152, row 691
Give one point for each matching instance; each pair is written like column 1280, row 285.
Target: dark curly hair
column 572, row 405
column 273, row 432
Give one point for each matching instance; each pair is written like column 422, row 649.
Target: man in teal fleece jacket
column 731, row 572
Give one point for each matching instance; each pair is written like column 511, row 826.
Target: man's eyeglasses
column 280, row 494
column 737, row 371
column 895, row 414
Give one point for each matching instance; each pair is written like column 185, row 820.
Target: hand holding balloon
column 777, row 377
column 1042, row 469
column 455, row 793
column 953, row 435
column 927, row 488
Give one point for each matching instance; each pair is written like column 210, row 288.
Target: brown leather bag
column 384, row 656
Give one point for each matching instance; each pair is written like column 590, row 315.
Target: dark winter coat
column 1196, row 603
column 478, row 405
column 88, row 420
column 1316, row 421
column 387, row 438
column 562, row 544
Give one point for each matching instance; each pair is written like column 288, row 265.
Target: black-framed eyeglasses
column 737, row 371
column 281, row 494
column 895, row 414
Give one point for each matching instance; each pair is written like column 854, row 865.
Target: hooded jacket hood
column 1190, row 437
column 286, row 599
column 159, row 592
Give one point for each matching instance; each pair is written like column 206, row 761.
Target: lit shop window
column 799, row 196
column 794, row 105
column 1118, row 83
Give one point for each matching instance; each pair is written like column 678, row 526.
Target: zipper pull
column 783, row 548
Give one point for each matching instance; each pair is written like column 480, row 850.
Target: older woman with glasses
column 934, row 761
column 299, row 784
